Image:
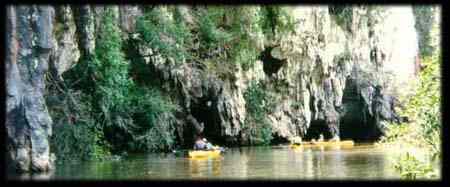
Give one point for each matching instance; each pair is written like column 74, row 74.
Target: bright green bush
column 411, row 168
column 129, row 113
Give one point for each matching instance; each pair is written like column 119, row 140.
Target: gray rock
column 128, row 16
column 86, row 29
column 28, row 123
column 66, row 53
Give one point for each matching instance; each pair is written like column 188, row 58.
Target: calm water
column 276, row 162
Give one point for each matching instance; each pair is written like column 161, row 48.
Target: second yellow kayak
column 346, row 143
column 204, row 154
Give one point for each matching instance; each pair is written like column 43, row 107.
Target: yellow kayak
column 204, row 154
column 347, row 143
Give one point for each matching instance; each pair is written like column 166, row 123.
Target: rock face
column 66, row 52
column 30, row 41
column 326, row 84
column 128, row 15
column 209, row 105
column 327, row 60
column 328, row 76
column 86, row 29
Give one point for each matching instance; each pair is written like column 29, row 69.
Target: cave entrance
column 205, row 112
column 356, row 122
column 316, row 128
column 277, row 139
column 271, row 65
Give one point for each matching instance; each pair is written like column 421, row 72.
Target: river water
column 362, row 162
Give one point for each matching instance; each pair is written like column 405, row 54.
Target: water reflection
column 240, row 163
column 205, row 167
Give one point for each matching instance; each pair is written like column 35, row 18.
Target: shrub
column 153, row 113
column 210, row 35
column 245, row 29
column 275, row 20
column 170, row 38
column 129, row 113
column 74, row 136
column 411, row 168
column 114, row 114
column 424, row 107
column 258, row 127
column 425, row 129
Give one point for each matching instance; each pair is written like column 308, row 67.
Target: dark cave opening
column 356, row 123
column 271, row 65
column 277, row 139
column 205, row 112
column 316, row 128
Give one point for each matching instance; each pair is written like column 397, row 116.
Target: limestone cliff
column 30, row 41
column 327, row 85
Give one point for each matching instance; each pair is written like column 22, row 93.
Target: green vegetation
column 411, row 168
column 211, row 32
column 74, row 131
column 275, row 20
column 225, row 36
column 105, row 110
column 218, row 34
column 424, row 131
column 246, row 22
column 256, row 124
column 170, row 38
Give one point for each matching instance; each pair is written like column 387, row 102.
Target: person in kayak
column 296, row 140
column 321, row 139
column 314, row 141
column 200, row 144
